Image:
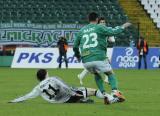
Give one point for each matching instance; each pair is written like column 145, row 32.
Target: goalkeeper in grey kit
column 55, row 90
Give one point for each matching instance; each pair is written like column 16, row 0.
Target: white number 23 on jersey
column 90, row 40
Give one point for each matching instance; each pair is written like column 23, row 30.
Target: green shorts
column 98, row 66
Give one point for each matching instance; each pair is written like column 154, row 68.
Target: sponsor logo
column 70, row 59
column 155, row 61
column 127, row 60
column 35, row 37
column 35, row 57
column 42, row 58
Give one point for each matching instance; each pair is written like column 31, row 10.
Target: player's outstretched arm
column 34, row 93
column 109, row 31
column 125, row 25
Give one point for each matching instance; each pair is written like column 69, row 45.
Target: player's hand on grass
column 13, row 101
column 125, row 25
column 10, row 102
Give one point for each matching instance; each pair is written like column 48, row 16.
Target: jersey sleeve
column 109, row 31
column 76, row 45
column 34, row 93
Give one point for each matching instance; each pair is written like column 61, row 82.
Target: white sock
column 106, row 79
column 83, row 74
column 99, row 94
column 110, row 97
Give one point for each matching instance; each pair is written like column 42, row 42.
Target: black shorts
column 76, row 99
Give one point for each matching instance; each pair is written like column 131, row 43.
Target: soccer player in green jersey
column 110, row 39
column 91, row 40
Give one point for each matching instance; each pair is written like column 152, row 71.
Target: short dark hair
column 101, row 18
column 141, row 37
column 92, row 16
column 61, row 37
column 41, row 74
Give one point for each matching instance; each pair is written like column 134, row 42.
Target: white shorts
column 98, row 66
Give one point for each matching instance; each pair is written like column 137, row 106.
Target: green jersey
column 91, row 40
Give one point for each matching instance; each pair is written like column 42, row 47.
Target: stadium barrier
column 44, row 58
column 6, row 61
column 37, row 35
column 121, row 57
column 127, row 57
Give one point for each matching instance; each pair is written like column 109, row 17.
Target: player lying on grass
column 55, row 90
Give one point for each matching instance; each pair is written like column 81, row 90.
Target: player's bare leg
column 82, row 75
column 114, row 86
column 106, row 79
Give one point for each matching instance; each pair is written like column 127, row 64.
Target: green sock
column 113, row 81
column 99, row 82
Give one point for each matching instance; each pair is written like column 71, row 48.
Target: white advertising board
column 44, row 58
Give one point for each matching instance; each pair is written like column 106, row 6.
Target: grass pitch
column 141, row 88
